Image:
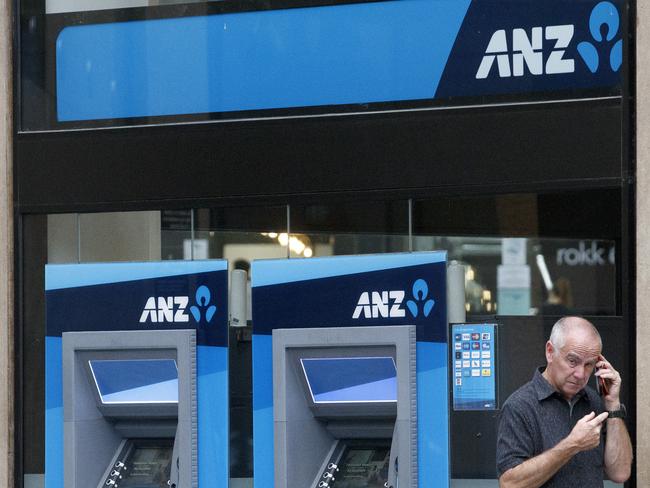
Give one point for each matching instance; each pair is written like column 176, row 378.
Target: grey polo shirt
column 535, row 418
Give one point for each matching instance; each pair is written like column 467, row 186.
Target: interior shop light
column 546, row 276
column 469, row 274
column 297, row 244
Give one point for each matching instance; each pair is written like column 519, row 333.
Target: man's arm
column 618, row 451
column 537, row 470
column 618, row 446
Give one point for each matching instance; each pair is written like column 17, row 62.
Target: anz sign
column 389, row 303
column 174, row 309
column 543, row 50
column 528, row 50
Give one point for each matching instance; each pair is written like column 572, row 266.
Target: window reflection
column 62, row 6
column 503, row 276
column 520, row 276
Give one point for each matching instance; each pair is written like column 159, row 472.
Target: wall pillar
column 6, row 250
column 643, row 243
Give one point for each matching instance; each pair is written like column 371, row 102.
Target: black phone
column 601, row 385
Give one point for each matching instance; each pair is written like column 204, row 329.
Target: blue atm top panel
column 347, row 380
column 136, row 380
column 353, row 291
column 139, row 296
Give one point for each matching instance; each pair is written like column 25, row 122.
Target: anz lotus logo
column 389, row 303
column 603, row 14
column 174, row 309
column 420, row 299
column 526, row 53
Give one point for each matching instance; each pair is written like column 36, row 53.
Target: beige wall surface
column 643, row 242
column 6, row 250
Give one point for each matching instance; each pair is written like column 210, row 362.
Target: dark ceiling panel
column 530, row 147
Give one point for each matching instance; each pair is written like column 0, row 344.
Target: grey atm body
column 317, row 442
column 101, row 438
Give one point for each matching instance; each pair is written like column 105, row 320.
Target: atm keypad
column 116, row 474
column 328, row 475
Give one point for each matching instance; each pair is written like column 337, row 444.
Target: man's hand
column 618, row 447
column 586, row 433
column 612, row 378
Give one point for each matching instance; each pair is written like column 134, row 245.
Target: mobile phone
column 601, row 385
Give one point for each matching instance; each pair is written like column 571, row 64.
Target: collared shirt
column 536, row 418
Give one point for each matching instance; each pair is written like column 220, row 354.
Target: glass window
column 63, row 6
column 105, row 237
column 525, row 255
column 533, row 276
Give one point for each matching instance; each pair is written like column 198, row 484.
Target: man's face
column 570, row 367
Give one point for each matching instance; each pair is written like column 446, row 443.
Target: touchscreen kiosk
column 344, row 407
column 129, row 409
column 474, row 359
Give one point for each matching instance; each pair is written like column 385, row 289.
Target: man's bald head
column 567, row 326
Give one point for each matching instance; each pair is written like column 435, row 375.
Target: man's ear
column 549, row 351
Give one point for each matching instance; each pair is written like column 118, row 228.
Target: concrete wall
column 643, row 243
column 6, row 251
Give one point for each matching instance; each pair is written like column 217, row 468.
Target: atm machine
column 344, row 407
column 129, row 409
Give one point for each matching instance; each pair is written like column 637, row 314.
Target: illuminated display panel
column 128, row 381
column 354, row 379
column 474, row 360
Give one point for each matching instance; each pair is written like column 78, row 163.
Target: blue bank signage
column 158, row 299
column 353, row 291
column 119, row 298
column 523, row 46
column 427, row 52
column 356, row 292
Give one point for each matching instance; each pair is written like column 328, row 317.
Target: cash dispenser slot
column 344, row 400
column 358, row 463
column 128, row 409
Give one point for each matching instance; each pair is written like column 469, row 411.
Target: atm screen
column 147, row 465
column 135, row 380
column 351, row 379
column 363, row 467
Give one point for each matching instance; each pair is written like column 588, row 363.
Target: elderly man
column 555, row 431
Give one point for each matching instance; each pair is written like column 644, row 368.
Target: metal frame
column 80, row 346
column 290, row 344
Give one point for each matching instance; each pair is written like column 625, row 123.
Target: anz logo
column 174, row 309
column 526, row 50
column 388, row 304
